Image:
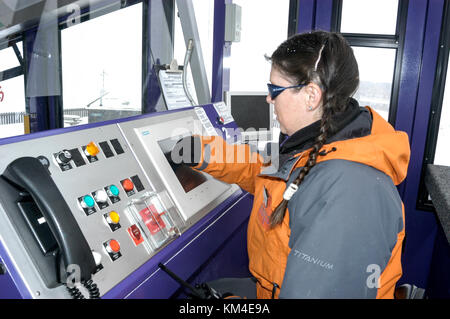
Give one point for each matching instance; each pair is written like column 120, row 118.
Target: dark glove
column 187, row 151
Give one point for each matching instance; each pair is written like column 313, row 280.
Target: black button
column 117, row 147
column 137, row 183
column 77, row 158
column 106, row 149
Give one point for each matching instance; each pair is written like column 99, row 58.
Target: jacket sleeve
column 343, row 231
column 233, row 164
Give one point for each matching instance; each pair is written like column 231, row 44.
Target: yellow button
column 92, row 149
column 113, row 217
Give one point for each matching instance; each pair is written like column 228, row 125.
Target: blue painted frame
column 417, row 79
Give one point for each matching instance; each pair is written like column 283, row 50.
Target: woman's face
column 292, row 105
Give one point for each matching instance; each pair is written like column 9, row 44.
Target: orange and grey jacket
column 343, row 231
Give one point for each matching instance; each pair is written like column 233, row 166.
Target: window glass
column 264, row 26
column 369, row 16
column 376, row 73
column 204, row 16
column 12, row 107
column 442, row 155
column 8, row 58
column 102, row 67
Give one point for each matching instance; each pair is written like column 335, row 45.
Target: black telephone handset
column 29, row 176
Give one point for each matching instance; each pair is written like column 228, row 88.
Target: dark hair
column 326, row 59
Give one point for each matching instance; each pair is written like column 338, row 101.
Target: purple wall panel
column 306, row 15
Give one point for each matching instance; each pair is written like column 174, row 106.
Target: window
column 375, row 84
column 102, row 67
column 264, row 26
column 375, row 30
column 8, row 58
column 369, row 16
column 12, row 93
column 204, row 16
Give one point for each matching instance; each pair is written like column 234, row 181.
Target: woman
column 329, row 223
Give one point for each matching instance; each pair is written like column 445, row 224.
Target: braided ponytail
column 278, row 214
column 326, row 59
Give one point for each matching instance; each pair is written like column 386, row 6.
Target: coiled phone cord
column 94, row 292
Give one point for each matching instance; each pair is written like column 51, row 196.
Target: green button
column 89, row 201
column 114, row 190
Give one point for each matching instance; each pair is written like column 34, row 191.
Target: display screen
column 251, row 112
column 188, row 177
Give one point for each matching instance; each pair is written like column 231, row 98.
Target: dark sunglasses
column 275, row 90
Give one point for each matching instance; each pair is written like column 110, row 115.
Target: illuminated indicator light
column 127, row 185
column 101, row 196
column 88, row 201
column 113, row 190
column 113, row 246
column 92, row 149
column 113, row 217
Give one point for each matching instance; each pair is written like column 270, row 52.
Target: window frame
column 384, row 41
column 437, row 100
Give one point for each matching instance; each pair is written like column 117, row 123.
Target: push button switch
column 112, row 219
column 128, row 186
column 91, row 150
column 135, row 234
column 113, row 190
column 63, row 159
column 113, row 193
column 101, row 197
column 87, row 203
column 112, row 247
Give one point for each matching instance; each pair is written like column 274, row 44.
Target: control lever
column 202, row 291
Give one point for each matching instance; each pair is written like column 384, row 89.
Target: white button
column 101, row 196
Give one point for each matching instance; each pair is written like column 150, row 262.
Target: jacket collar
column 305, row 138
column 355, row 122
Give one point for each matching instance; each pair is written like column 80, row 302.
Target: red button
column 127, row 185
column 113, row 246
column 135, row 234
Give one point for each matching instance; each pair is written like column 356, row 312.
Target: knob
column 63, row 157
column 87, row 201
column 101, row 196
column 91, row 149
column 113, row 218
column 112, row 246
column 113, row 191
column 127, row 185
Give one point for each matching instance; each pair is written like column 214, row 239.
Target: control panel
column 122, row 197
